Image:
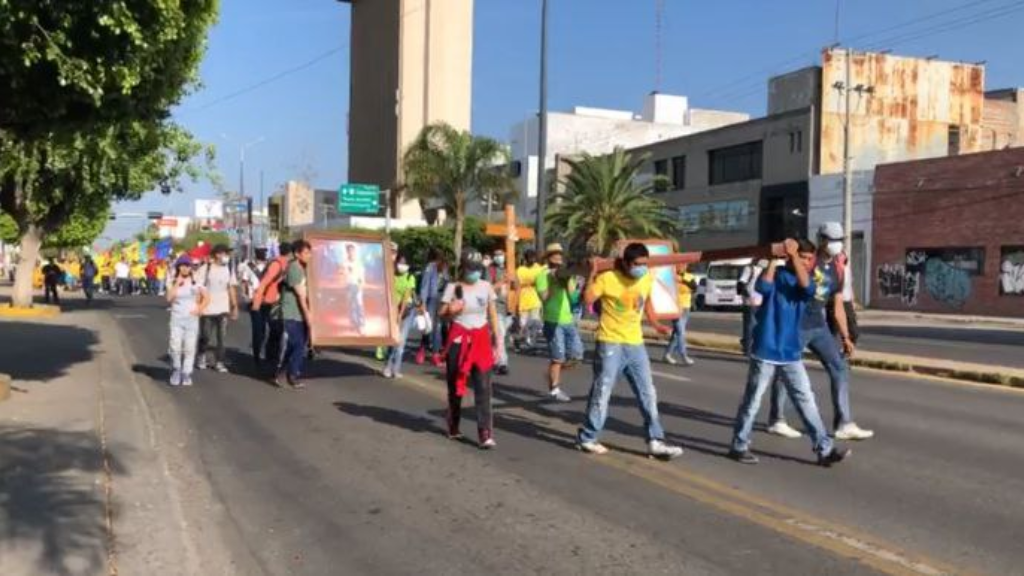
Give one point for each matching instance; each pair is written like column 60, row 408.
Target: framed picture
column 665, row 291
column 350, row 290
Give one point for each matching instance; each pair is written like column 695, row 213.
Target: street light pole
column 241, row 187
column 542, row 136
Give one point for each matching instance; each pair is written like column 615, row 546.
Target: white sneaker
column 851, row 431
column 488, row 444
column 201, row 364
column 558, row 396
column 176, row 378
column 186, row 380
column 658, row 449
column 687, row 361
column 220, row 367
column 782, row 428
column 595, row 448
column 388, row 373
column 669, row 358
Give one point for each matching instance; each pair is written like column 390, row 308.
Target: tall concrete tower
column 411, row 65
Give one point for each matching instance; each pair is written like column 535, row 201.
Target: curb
column 37, row 311
column 5, row 387
column 997, row 376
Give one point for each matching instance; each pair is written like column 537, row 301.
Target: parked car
column 719, row 289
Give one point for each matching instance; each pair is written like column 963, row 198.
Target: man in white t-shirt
column 221, row 287
column 122, row 273
column 354, row 276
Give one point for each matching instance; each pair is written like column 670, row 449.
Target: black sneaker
column 837, row 455
column 502, row 370
column 744, row 457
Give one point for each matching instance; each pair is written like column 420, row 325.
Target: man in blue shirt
column 777, row 349
column 829, row 274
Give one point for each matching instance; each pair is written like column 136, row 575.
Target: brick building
column 948, row 234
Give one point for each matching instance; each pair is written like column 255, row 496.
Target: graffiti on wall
column 945, row 273
column 894, row 281
column 1011, row 271
column 946, row 283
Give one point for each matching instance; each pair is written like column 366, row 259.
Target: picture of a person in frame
column 354, row 280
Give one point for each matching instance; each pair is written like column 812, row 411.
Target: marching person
column 405, row 299
column 89, row 272
column 296, row 318
column 777, row 351
column 677, row 342
column 496, row 273
column 432, row 285
column 831, row 348
column 188, row 300
column 267, row 300
column 220, row 284
column 469, row 305
column 751, row 301
column 624, row 295
column 528, row 313
column 249, row 275
column 559, row 292
column 53, row 276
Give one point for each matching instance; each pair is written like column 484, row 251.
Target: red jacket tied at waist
column 475, row 351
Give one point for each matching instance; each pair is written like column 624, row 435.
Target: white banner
column 209, row 209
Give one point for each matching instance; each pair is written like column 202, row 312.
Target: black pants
column 274, row 348
column 481, row 384
column 214, row 330
column 51, row 289
column 88, row 288
column 258, row 322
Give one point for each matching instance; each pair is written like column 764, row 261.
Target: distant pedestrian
column 188, row 300
column 751, row 301
column 432, row 285
column 624, row 295
column 53, row 277
column 559, row 291
column 469, row 305
column 777, row 350
column 89, row 272
column 504, row 284
column 676, row 351
column 295, row 314
column 267, row 299
column 250, row 273
column 528, row 304
column 122, row 277
column 221, row 285
column 408, row 308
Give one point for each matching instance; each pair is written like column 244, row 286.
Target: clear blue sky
column 602, row 53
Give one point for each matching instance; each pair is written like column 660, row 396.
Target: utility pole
column 847, row 165
column 542, row 137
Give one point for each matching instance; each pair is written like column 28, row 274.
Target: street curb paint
column 38, row 311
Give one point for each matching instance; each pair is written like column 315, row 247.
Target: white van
column 720, row 286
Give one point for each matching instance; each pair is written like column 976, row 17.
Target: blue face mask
column 472, row 277
column 638, row 272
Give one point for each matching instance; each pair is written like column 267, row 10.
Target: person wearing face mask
column 559, row 291
column 624, row 295
column 469, row 305
column 405, row 299
column 221, row 285
column 188, row 299
column 831, row 348
column 496, row 273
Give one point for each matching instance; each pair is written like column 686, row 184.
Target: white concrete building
column 599, row 131
column 825, row 204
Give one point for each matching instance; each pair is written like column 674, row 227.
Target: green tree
column 603, row 201
column 456, row 168
column 85, row 116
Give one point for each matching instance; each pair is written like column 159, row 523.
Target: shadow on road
column 399, row 419
column 50, row 495
column 41, row 351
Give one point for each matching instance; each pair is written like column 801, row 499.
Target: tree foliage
column 603, row 201
column 454, row 167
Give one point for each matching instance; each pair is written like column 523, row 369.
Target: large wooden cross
column 765, row 251
column 512, row 234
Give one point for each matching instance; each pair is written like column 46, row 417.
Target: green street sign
column 359, row 199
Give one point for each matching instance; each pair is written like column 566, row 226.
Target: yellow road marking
column 840, row 540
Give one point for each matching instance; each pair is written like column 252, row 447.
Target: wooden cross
column 512, row 234
column 767, row 251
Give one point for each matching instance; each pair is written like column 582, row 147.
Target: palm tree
column 602, row 201
column 455, row 167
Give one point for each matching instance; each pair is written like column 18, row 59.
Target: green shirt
column 405, row 287
column 558, row 304
column 295, row 277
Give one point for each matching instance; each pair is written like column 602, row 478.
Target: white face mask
column 487, row 263
column 834, row 248
column 225, row 260
column 403, row 268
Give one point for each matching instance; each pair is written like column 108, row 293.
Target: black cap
column 221, row 249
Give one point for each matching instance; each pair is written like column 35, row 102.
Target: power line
column 271, row 79
column 949, row 25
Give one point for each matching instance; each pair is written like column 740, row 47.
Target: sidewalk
column 871, row 316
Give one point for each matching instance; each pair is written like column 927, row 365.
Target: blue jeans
column 183, row 341
column 564, row 342
column 677, row 344
column 433, row 340
column 610, row 362
column 794, row 377
column 295, row 350
column 394, row 361
column 823, row 344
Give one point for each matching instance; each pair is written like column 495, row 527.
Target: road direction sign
column 359, row 199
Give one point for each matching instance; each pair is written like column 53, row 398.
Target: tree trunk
column 460, row 221
column 31, row 242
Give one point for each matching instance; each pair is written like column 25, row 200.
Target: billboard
column 209, row 209
column 298, row 204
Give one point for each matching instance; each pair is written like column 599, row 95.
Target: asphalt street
column 997, row 347
column 354, row 476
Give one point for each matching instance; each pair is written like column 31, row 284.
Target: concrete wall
column 908, row 117
column 928, row 216
column 1003, row 119
column 794, row 90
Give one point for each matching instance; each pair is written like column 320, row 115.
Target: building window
column 715, row 216
column 954, row 141
column 679, row 172
column 661, row 182
column 968, row 259
column 735, row 163
column 796, row 141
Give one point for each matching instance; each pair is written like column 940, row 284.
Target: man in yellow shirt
column 529, row 304
column 677, row 344
column 624, row 295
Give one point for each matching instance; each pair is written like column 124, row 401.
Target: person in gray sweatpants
column 187, row 299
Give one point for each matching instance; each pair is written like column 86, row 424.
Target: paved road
column 965, row 344
column 352, row 476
